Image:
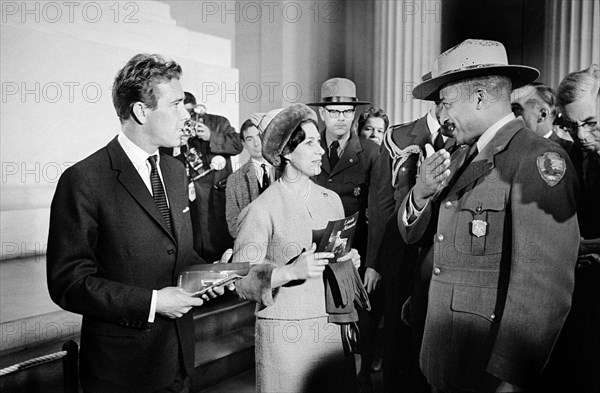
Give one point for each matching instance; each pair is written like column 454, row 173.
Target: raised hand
column 432, row 177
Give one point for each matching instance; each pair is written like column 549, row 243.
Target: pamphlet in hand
column 338, row 235
column 199, row 279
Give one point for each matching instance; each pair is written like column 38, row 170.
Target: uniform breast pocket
column 480, row 224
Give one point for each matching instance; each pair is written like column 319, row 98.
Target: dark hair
column 372, row 112
column 298, row 136
column 136, row 82
column 189, row 98
column 247, row 124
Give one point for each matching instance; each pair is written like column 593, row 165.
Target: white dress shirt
column 139, row 159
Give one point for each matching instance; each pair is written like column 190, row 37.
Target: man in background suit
column 536, row 104
column 348, row 168
column 120, row 234
column 248, row 182
column 389, row 255
column 213, row 136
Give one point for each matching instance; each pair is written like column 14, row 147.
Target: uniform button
column 493, row 316
column 436, row 271
column 440, row 237
column 478, row 209
column 448, row 205
column 170, row 251
column 329, row 180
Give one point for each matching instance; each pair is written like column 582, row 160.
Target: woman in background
column 372, row 124
column 297, row 348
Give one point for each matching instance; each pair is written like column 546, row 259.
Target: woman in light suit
column 297, row 348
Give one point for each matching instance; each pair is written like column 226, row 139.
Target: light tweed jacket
column 242, row 188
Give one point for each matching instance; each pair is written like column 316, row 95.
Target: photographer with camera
column 207, row 158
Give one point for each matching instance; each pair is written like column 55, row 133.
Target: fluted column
column 572, row 38
column 407, row 41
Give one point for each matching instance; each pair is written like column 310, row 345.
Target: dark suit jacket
column 386, row 251
column 504, row 254
column 350, row 179
column 242, row 188
column 108, row 248
column 211, row 235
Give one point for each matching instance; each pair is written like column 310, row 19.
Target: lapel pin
column 186, row 209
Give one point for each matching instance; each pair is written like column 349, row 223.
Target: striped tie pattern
column 158, row 192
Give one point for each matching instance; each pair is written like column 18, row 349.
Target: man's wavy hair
column 136, row 82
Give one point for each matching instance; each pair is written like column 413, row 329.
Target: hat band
column 473, row 67
column 339, row 99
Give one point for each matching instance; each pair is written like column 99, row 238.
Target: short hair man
column 536, row 104
column 500, row 218
column 248, row 182
column 348, row 168
column 120, row 234
column 576, row 358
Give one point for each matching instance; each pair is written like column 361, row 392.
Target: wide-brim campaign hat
column 339, row 91
column 472, row 58
column 280, row 130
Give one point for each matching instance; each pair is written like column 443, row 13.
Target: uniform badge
column 551, row 167
column 356, row 191
column 479, row 228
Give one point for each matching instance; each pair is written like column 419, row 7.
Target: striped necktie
column 158, row 192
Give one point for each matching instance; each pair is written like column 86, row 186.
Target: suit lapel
column 178, row 198
column 350, row 155
column 485, row 161
column 133, row 183
column 252, row 180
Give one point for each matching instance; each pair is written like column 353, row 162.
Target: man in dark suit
column 387, row 253
column 576, row 357
column 501, row 216
column 347, row 167
column 120, row 234
column 212, row 136
column 536, row 104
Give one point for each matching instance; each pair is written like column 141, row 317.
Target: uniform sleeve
column 417, row 230
column 251, row 243
column 224, row 139
column 71, row 261
column 544, row 238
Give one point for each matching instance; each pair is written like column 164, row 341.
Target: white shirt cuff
column 411, row 213
column 152, row 307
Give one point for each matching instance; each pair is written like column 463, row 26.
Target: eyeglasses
column 573, row 127
column 334, row 113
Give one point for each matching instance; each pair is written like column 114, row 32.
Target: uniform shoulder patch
column 551, row 167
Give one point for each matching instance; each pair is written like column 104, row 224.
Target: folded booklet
column 337, row 236
column 199, row 279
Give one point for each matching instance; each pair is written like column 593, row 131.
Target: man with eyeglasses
column 576, row 358
column 347, row 167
